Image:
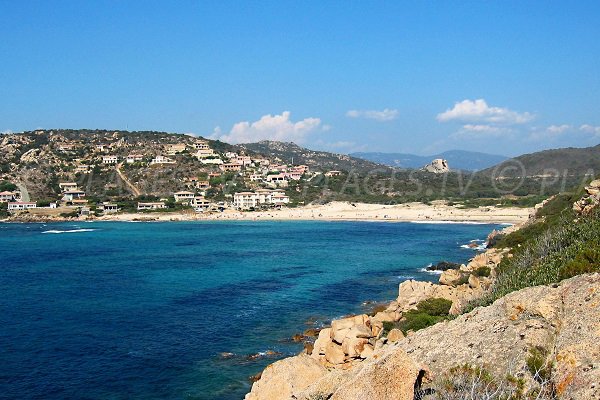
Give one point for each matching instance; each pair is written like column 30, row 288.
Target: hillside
column 573, row 162
column 457, row 159
column 320, row 160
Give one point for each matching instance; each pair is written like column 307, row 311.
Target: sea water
column 190, row 310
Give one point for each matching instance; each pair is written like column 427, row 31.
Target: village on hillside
column 98, row 175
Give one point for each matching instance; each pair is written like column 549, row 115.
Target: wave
column 70, row 231
column 470, row 246
column 434, row 272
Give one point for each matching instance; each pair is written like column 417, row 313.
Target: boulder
column 389, row 378
column 321, row 342
column 395, row 335
column 353, row 346
column 443, row 266
column 286, row 378
column 334, row 353
column 451, row 277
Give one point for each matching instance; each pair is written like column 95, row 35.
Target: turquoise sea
column 111, row 310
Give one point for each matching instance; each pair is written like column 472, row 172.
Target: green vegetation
column 6, row 186
column 428, row 312
column 559, row 245
column 3, row 210
column 483, row 271
column 538, row 364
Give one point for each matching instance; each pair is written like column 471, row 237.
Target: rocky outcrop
column 437, row 166
column 348, row 340
column 561, row 319
column 286, row 378
column 590, row 201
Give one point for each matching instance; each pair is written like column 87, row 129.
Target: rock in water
column 437, row 166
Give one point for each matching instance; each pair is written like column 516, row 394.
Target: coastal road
column 130, row 185
column 24, row 192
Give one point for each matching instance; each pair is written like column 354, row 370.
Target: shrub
column 414, row 321
column 435, row 306
column 585, row 262
column 483, row 271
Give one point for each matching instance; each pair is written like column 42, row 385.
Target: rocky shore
column 368, row 356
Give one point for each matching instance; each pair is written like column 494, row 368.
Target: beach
column 344, row 211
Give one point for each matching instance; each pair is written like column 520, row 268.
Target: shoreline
column 336, row 211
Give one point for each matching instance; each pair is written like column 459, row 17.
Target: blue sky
column 503, row 77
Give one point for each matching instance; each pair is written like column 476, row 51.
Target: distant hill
column 568, row 161
column 317, row 160
column 457, row 159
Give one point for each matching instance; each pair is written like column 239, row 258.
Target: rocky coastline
column 368, row 356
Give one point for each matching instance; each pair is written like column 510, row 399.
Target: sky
column 503, row 77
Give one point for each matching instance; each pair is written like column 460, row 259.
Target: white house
column 110, row 160
column 176, row 148
column 205, row 153
column 67, row 186
column 161, row 160
column 71, row 195
column 5, row 197
column 201, row 145
column 183, row 196
column 133, row 158
column 18, row 205
column 151, row 206
column 279, row 199
column 245, row 200
column 109, row 208
column 214, row 161
column 200, row 204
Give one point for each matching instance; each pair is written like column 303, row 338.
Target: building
column 183, row 196
column 279, row 199
column 108, row 208
column 244, row 160
column 205, row 153
column 151, row 206
column 133, row 158
column 67, row 186
column 333, row 173
column 110, row 160
column 213, row 161
column 161, row 160
column 83, row 169
column 249, row 200
column 245, row 200
column 200, row 204
column 201, row 145
column 19, row 206
column 5, row 197
column 71, row 195
column 278, row 179
column 176, row 148
column 256, row 178
column 231, row 167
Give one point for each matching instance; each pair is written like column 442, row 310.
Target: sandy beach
column 343, row 211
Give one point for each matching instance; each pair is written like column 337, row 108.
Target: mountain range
column 457, row 159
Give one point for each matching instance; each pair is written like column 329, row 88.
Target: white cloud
column 590, row 129
column 383, row 115
column 558, row 129
column 269, row 127
column 479, row 111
